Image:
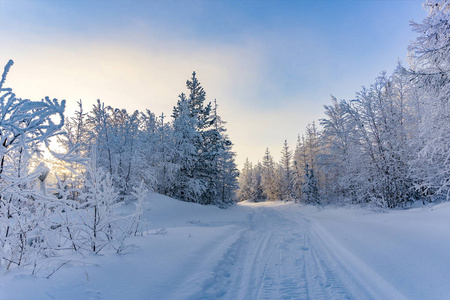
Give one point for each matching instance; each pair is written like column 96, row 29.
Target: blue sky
column 272, row 65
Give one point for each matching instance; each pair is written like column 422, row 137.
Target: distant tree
column 299, row 158
column 270, row 178
column 287, row 172
column 257, row 189
column 153, row 141
column 309, row 189
column 161, row 155
column 336, row 144
column 246, row 182
column 114, row 135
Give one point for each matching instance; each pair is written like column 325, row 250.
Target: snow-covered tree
column 100, row 225
column 287, row 172
column 160, row 168
column 114, row 136
column 367, row 143
column 224, row 172
column 430, row 70
column 336, row 144
column 257, row 187
column 213, row 172
column 75, row 140
column 246, row 182
column 270, row 178
column 309, row 190
column 188, row 186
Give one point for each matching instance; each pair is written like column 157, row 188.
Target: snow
column 268, row 250
column 407, row 248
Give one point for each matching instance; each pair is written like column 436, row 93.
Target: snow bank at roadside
column 410, row 249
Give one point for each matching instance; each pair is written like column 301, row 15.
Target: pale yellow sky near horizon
column 133, row 78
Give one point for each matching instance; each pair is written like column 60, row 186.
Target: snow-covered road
column 283, row 255
column 270, row 250
column 274, row 259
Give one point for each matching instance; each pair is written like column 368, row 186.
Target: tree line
column 189, row 157
column 390, row 146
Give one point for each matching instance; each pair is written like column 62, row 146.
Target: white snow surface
column 270, row 250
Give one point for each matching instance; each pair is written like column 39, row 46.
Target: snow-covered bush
column 25, row 126
column 98, row 226
column 38, row 221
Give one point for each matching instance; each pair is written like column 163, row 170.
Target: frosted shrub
column 25, row 126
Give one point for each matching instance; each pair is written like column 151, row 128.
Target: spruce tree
column 270, row 178
column 227, row 173
column 214, row 165
column 309, row 190
column 245, row 182
column 189, row 187
column 287, row 174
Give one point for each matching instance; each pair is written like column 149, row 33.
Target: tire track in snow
column 350, row 278
column 323, row 283
column 281, row 256
column 360, row 280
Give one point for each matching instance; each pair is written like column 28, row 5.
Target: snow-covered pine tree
column 150, row 140
column 270, row 178
column 312, row 149
column 246, row 182
column 309, row 190
column 226, row 180
column 188, row 186
column 297, row 182
column 209, row 145
column 287, row 172
column 160, row 153
column 125, row 151
column 208, row 164
column 196, row 99
column 250, row 182
column 299, row 158
column 257, row 189
column 214, row 167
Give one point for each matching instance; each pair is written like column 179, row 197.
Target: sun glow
column 56, row 166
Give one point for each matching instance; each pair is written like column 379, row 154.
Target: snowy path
column 282, row 256
column 252, row 251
